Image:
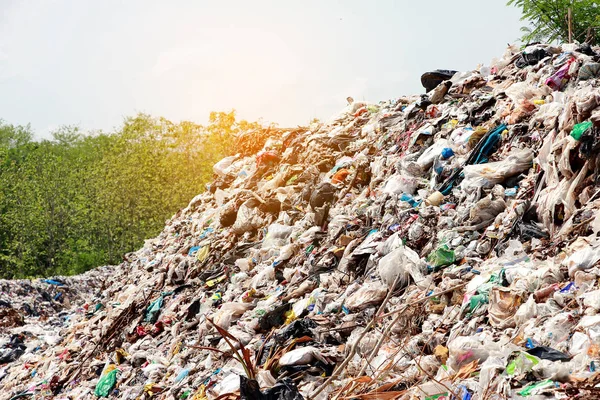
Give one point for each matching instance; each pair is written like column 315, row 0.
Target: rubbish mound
column 430, row 247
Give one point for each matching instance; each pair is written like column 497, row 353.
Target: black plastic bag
column 274, row 318
column 548, row 353
column 531, row 58
column 283, row 390
column 430, row 80
column 324, row 193
column 297, row 329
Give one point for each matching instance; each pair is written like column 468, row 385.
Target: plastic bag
column 521, row 363
column 548, row 353
column 222, row 167
column 283, row 390
column 487, row 175
column 592, row 299
column 503, row 306
column 398, row 184
column 107, row 382
column 517, row 92
column 230, row 312
column 425, row 161
column 534, row 388
column 589, row 71
column 560, row 77
column 526, row 311
column 247, row 219
column 465, row 349
column 277, row 236
column 441, row 256
column 153, row 309
column 587, row 254
column 368, row 295
column 579, row 129
column 402, row 263
column 301, row 356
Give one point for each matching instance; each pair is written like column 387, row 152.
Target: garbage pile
column 429, row 247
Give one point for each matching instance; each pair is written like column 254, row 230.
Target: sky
column 92, row 63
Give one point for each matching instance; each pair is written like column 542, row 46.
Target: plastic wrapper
column 107, row 382
column 425, row 160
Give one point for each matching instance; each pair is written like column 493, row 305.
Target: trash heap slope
column 422, row 248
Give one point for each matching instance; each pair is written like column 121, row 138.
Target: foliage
column 82, row 200
column 548, row 21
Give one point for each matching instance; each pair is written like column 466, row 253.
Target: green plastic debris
column 532, row 388
column 579, row 129
column 153, row 309
column 523, row 362
column 441, row 256
column 477, row 301
column 106, row 383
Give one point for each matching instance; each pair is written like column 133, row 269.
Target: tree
column 548, row 20
column 83, row 199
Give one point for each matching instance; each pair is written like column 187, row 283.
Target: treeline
column 81, row 200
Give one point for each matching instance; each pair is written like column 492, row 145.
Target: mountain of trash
column 434, row 246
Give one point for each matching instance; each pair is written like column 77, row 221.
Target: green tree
column 79, row 200
column 548, row 20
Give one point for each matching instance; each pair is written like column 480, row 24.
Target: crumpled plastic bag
column 425, row 160
column 222, row 167
column 277, row 236
column 398, row 184
column 487, row 175
column 107, row 382
column 247, row 219
column 465, row 349
column 301, row 356
column 402, row 263
column 441, row 256
column 526, row 311
column 503, row 306
column 369, row 295
column 587, row 254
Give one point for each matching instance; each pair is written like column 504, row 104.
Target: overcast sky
column 91, row 63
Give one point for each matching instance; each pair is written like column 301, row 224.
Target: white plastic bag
column 368, row 295
column 221, row 168
column 464, row 349
column 402, row 263
column 398, row 184
column 487, row 175
column 425, row 160
column 277, row 236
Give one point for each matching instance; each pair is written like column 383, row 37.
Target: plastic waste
column 399, row 184
column 283, row 390
column 490, row 174
column 442, row 256
column 580, row 129
column 107, row 382
column 401, row 265
column 548, row 353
